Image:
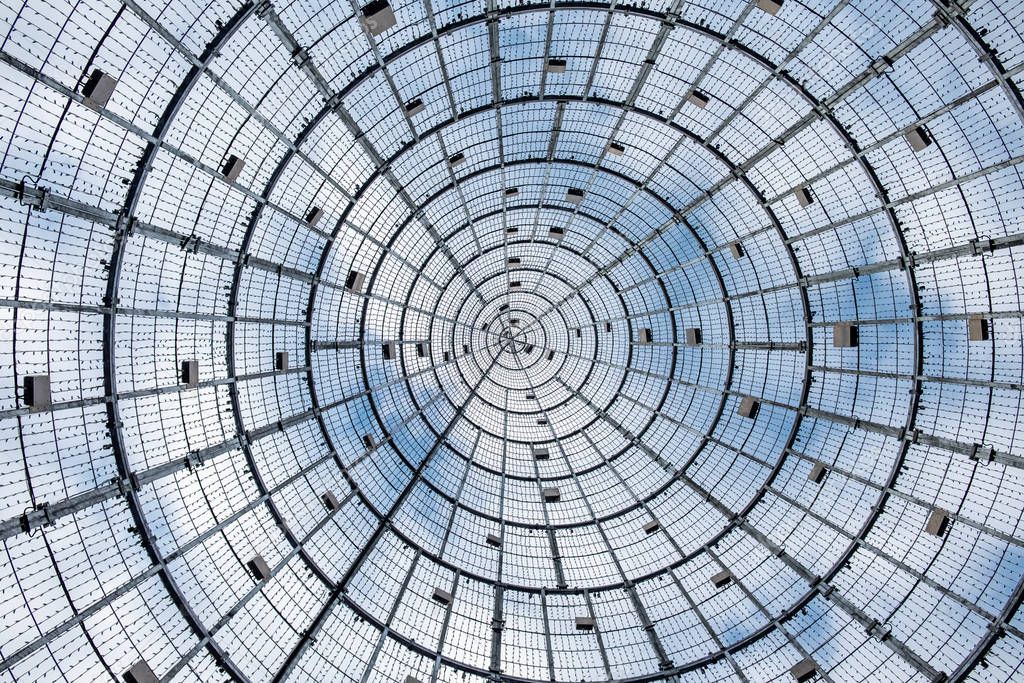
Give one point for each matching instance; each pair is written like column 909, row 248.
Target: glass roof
column 510, row 341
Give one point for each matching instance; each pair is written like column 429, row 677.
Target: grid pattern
column 563, row 341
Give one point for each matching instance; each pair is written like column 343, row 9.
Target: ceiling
column 507, row 341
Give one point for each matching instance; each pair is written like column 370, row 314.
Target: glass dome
column 499, row 341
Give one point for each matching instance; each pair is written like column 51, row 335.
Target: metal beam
column 310, row 635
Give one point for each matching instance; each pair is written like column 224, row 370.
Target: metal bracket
column 981, row 246
column 190, row 244
column 878, row 630
column 983, row 453
column 262, row 8
column 36, row 197
column 126, row 485
column 125, row 226
column 300, row 57
column 44, row 508
column 880, row 65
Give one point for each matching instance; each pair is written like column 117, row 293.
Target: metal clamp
column 982, row 453
column 125, row 226
column 300, row 57
column 262, row 8
column 193, row 461
column 880, row 65
column 36, row 197
column 44, row 509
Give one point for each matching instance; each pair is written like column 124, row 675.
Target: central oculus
column 512, row 339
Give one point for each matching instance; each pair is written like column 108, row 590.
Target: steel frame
column 125, row 226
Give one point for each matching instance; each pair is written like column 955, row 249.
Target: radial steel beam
column 643, row 74
column 240, row 604
column 601, row 648
column 664, row 661
column 779, row 625
column 498, row 609
column 696, row 237
column 547, row 634
column 599, row 48
column 111, row 311
column 996, row 630
column 44, row 200
column 905, row 377
column 831, row 594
